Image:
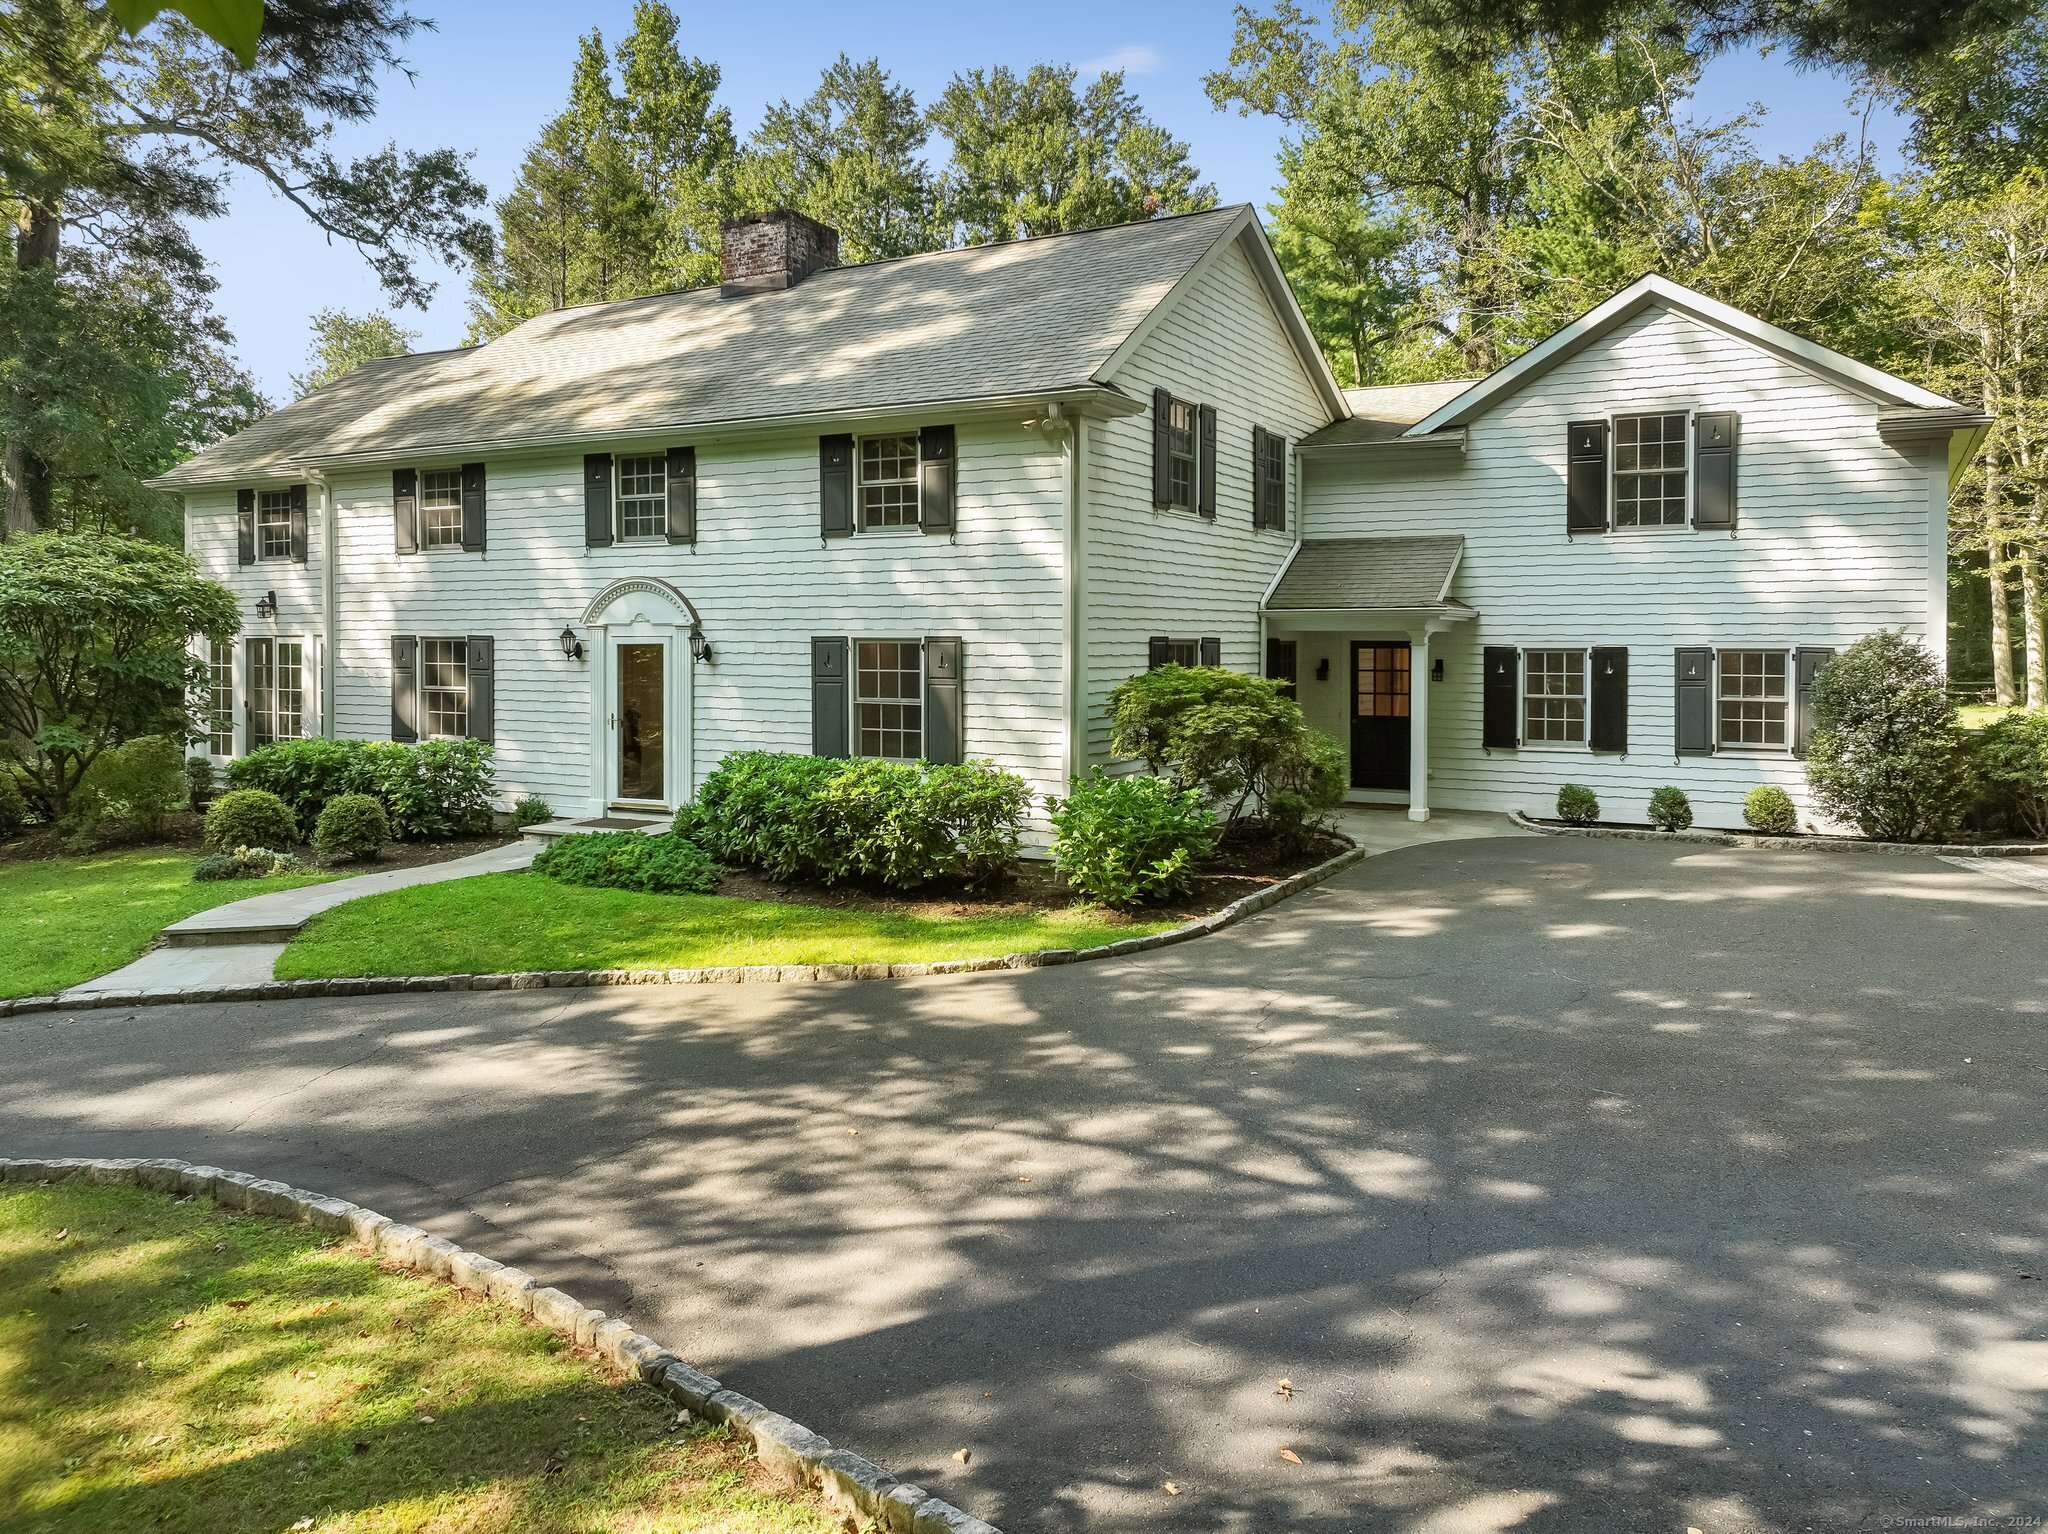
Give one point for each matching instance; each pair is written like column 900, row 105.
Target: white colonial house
column 938, row 507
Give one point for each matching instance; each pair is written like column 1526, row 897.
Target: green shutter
column 944, row 702
column 1500, row 697
column 937, row 475
column 1609, row 699
column 682, row 495
column 473, row 507
column 830, row 699
column 1693, row 703
column 1586, row 477
column 1713, row 457
column 483, row 690
column 597, row 500
column 835, row 486
column 405, row 510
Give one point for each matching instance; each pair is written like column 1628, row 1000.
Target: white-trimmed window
column 888, row 481
column 1649, row 470
column 1753, row 704
column 441, row 508
column 277, row 689
column 273, row 524
column 220, row 698
column 1183, row 652
column 643, row 496
column 1182, row 419
column 888, row 699
column 444, row 688
column 1554, row 696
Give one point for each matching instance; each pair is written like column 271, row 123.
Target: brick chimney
column 765, row 252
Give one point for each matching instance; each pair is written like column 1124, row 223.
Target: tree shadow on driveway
column 1571, row 1186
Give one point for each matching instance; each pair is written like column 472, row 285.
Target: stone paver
column 188, row 969
column 1572, row 1185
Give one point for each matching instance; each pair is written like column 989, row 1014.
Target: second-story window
column 1180, row 454
column 274, row 524
column 1649, row 470
column 888, row 481
column 643, row 496
column 441, row 508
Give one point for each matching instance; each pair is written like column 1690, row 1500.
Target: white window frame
column 279, row 501
column 619, row 498
column 302, row 717
column 861, row 482
column 451, row 537
column 1174, row 405
column 220, row 722
column 1584, row 698
column 1784, row 700
column 1615, row 471
column 915, row 702
column 1175, row 648
column 1279, row 446
column 427, row 731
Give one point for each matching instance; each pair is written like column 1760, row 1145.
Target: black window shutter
column 482, row 687
column 1212, row 652
column 405, row 515
column 1586, row 477
column 1499, row 697
column 1205, row 498
column 299, row 523
column 1713, row 458
column 936, row 478
column 1806, row 664
column 1162, row 450
column 405, row 692
column 944, row 717
column 835, row 487
column 245, row 527
column 597, row 500
column 1610, row 699
column 1693, row 704
column 1158, row 651
column 473, row 507
column 682, row 495
column 1283, row 664
column 829, row 701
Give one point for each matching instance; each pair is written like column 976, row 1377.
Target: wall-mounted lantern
column 266, row 605
column 1323, row 669
column 1436, row 669
column 572, row 647
column 700, row 647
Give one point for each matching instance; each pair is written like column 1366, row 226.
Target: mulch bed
column 1241, row 869
column 182, row 834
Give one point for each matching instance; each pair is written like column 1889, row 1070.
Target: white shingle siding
column 1837, row 536
column 1146, row 572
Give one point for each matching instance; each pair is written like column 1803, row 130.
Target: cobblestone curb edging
column 550, row 979
column 1760, row 842
column 799, row 1456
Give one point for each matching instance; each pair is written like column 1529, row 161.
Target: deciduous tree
column 343, row 342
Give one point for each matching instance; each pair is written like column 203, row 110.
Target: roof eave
column 1451, row 439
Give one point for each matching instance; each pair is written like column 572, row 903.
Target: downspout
column 1073, row 451
column 330, row 544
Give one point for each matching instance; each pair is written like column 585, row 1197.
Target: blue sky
column 490, row 73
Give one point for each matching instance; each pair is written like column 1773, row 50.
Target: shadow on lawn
column 1609, row 1187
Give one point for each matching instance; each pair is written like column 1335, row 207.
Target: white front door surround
column 637, row 646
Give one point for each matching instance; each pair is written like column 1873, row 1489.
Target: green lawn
column 170, row 1366
column 1974, row 716
column 496, row 923
column 63, row 920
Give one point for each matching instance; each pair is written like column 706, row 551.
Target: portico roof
column 1372, row 575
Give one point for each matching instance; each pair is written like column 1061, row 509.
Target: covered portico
column 1363, row 612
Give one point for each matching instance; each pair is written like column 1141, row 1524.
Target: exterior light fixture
column 572, row 647
column 1436, row 669
column 266, row 605
column 1323, row 669
column 700, row 647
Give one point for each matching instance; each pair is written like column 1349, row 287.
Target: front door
column 640, row 724
column 1379, row 716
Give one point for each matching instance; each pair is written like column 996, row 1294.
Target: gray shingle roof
column 986, row 322
column 1369, row 573
column 1381, row 414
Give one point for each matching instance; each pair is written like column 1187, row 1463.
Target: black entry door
column 1379, row 716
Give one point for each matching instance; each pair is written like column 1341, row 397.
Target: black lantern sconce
column 1323, row 669
column 1436, row 669
column 266, row 605
column 700, row 647
column 572, row 647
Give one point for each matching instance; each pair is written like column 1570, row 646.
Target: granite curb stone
column 802, row 1458
column 1757, row 841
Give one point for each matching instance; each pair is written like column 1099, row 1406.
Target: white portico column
column 1418, row 724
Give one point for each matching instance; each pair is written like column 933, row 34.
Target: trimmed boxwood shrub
column 249, row 817
column 1769, row 809
column 352, row 826
column 433, row 789
column 531, row 810
column 1577, row 805
column 305, row 774
column 1126, row 841
column 897, row 824
column 1670, row 810
column 663, row 864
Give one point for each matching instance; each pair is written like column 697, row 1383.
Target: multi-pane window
column 1554, row 695
column 1752, row 702
column 888, row 481
column 643, row 496
column 1272, row 490
column 1649, row 470
column 288, row 692
column 888, row 698
column 274, row 524
column 444, row 687
column 1180, row 454
column 220, row 698
column 1183, row 652
column 441, row 508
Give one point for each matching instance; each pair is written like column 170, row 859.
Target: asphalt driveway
column 1574, row 1185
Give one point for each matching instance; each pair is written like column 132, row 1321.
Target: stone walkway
column 238, row 943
